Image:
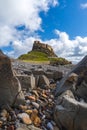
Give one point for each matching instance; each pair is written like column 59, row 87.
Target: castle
column 38, row 46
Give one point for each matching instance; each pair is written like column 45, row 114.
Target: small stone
column 25, row 118
column 44, row 95
column 28, row 111
column 50, row 100
column 55, row 128
column 27, row 102
column 3, row 119
column 50, row 126
column 31, row 98
column 36, row 105
column 23, row 107
column 53, row 123
column 35, row 93
column 17, row 123
column 1, row 124
column 13, row 115
column 43, row 117
column 37, row 121
column 51, row 96
column 32, row 127
column 34, row 114
column 11, row 127
column 4, row 113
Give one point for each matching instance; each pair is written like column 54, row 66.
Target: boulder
column 57, row 75
column 81, row 91
column 67, row 84
column 71, row 114
column 79, row 70
column 49, row 75
column 38, row 72
column 43, row 81
column 10, row 88
column 27, row 82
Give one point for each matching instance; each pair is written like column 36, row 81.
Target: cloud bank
column 14, row 13
column 25, row 14
column 74, row 50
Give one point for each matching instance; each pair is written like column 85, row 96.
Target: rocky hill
column 45, row 48
column 43, row 53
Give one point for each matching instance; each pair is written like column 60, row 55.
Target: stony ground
column 21, row 66
column 37, row 112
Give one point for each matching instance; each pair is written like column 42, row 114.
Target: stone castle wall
column 38, row 46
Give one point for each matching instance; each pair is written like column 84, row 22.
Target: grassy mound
column 40, row 57
column 34, row 56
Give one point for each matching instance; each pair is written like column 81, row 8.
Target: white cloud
column 26, row 12
column 84, row 6
column 6, row 35
column 16, row 12
column 73, row 50
column 65, row 47
column 21, row 12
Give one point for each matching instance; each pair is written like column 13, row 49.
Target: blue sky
column 59, row 23
column 67, row 17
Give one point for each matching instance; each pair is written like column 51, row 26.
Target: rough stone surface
column 27, row 81
column 43, row 81
column 80, row 69
column 30, row 127
column 38, row 72
column 10, row 89
column 25, row 118
column 71, row 114
column 71, row 108
column 57, row 75
column 67, row 83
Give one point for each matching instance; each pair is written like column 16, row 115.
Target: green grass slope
column 40, row 57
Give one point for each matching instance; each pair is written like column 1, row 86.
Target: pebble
column 25, row 118
column 29, row 111
column 44, row 95
column 11, row 127
column 1, row 122
column 4, row 113
column 3, row 119
column 35, row 93
column 43, row 117
column 31, row 98
column 23, row 107
column 50, row 126
column 37, row 111
column 35, row 119
column 13, row 115
column 36, row 105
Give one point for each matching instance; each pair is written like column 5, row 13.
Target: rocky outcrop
column 38, row 46
column 27, row 81
column 78, row 76
column 71, row 111
column 10, row 89
column 71, row 114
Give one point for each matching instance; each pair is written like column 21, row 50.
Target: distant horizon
column 61, row 24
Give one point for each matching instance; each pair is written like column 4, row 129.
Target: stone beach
column 42, row 97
